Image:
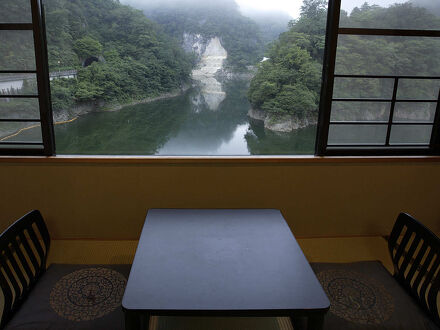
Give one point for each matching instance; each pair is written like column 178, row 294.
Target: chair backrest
column 24, row 247
column 415, row 251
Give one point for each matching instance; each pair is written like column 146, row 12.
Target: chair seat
column 364, row 295
column 75, row 297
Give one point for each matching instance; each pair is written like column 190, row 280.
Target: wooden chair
column 364, row 295
column 58, row 296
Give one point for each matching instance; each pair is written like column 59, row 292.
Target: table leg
column 136, row 321
column 315, row 322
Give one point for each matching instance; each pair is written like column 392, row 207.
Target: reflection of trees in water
column 261, row 141
column 141, row 129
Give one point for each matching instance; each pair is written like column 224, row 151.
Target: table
column 218, row 262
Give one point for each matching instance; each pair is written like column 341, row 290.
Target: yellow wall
column 110, row 200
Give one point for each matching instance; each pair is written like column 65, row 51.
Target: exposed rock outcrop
column 286, row 123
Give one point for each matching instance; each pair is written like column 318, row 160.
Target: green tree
column 87, row 46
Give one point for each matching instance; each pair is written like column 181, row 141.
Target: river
column 210, row 119
column 196, row 123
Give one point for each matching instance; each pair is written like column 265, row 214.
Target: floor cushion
column 364, row 295
column 75, row 297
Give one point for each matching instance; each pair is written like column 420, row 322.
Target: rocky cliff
column 211, row 56
column 285, row 123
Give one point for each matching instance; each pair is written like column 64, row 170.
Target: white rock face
column 194, row 43
column 212, row 59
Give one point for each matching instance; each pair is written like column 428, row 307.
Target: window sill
column 205, row 160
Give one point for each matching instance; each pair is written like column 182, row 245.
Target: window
column 382, row 87
column 25, row 110
column 227, row 77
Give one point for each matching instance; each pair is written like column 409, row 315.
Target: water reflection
column 185, row 125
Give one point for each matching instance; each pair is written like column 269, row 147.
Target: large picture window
column 219, row 78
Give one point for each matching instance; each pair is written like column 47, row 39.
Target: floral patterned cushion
column 75, row 297
column 364, row 295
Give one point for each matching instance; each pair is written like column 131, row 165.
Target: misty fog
column 281, row 9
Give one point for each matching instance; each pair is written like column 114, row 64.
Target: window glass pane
column 360, row 111
column 405, row 111
column 385, row 55
column 186, row 77
column 396, row 14
column 20, row 132
column 17, row 50
column 411, row 134
column 418, row 89
column 15, row 11
column 16, row 84
column 357, row 134
column 363, row 88
column 19, row 108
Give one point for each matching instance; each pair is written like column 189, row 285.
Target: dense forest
column 131, row 58
column 136, row 60
column 240, row 36
column 289, row 82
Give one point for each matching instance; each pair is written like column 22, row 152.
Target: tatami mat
column 316, row 250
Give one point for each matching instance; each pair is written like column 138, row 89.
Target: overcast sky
column 293, row 7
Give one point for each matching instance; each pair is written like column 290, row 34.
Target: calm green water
column 195, row 123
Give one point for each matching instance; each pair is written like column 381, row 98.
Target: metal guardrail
column 27, row 76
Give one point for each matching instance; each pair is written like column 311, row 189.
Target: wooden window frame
column 322, row 148
column 42, row 74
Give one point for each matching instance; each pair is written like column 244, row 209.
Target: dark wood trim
column 19, row 120
column 435, row 137
column 383, row 100
column 16, row 26
column 390, row 32
column 203, row 161
column 403, row 123
column 41, row 60
column 8, row 152
column 18, row 96
column 28, row 143
column 385, row 77
column 391, row 116
column 325, row 104
column 17, row 71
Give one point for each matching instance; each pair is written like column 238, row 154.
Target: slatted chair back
column 415, row 252
column 24, row 247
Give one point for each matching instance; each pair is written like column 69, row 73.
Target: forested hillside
column 289, row 82
column 240, row 36
column 135, row 59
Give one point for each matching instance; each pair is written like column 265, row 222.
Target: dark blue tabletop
column 220, row 260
